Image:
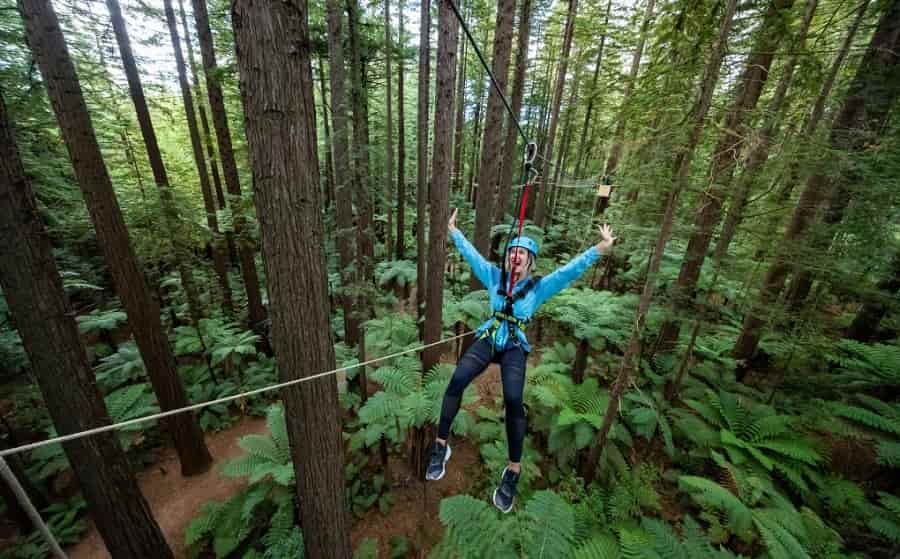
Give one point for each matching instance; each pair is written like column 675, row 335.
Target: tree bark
column 343, row 194
column 220, row 263
column 615, row 152
column 682, row 166
column 864, row 327
column 44, row 319
column 388, row 137
column 171, row 217
column 272, row 47
column 422, row 162
column 401, row 145
column 246, row 250
column 45, row 38
column 329, row 165
column 491, row 145
column 471, row 192
column 512, row 134
column 458, row 147
column 359, row 101
column 727, row 151
column 873, row 90
column 584, row 148
column 442, row 164
column 543, row 194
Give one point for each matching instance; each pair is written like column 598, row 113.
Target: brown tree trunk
column 424, row 79
column 448, row 33
column 491, row 145
column 762, row 144
column 581, row 357
column 343, row 194
column 683, row 162
column 359, row 101
column 220, row 263
column 727, row 151
column 329, row 165
column 44, row 319
column 543, row 194
column 471, row 191
column 585, row 147
column 272, row 47
column 458, row 147
column 171, row 217
column 207, row 135
column 246, row 250
column 865, row 324
column 558, row 171
column 401, row 145
column 615, row 152
column 873, row 90
column 388, row 137
column 45, row 38
column 510, row 161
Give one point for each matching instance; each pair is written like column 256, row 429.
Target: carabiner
column 530, row 153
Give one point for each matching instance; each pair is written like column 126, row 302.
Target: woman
column 502, row 340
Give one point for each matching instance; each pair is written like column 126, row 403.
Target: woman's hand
column 451, row 225
column 606, row 238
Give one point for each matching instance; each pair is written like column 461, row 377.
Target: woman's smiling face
column 517, row 260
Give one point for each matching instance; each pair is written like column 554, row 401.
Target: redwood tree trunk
column 329, row 165
column 272, row 48
column 246, row 250
column 389, row 136
column 510, row 161
column 458, row 147
column 424, row 78
column 343, row 194
column 726, row 153
column 683, row 162
column 543, row 194
column 44, row 319
column 491, row 145
column 401, row 146
column 220, row 262
column 873, row 90
column 585, row 147
column 45, row 38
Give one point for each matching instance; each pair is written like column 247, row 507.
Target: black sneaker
column 505, row 494
column 437, row 466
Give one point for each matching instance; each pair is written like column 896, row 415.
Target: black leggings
column 512, row 375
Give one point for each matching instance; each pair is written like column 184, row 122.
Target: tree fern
column 122, row 367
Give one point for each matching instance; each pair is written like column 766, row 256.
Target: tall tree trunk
column 273, row 53
column 873, row 90
column 727, row 151
column 44, row 319
column 682, row 166
column 45, row 38
column 401, row 144
column 763, row 143
column 246, row 250
column 171, row 217
column 492, row 143
column 220, row 263
column 615, row 152
column 558, row 171
column 865, row 324
column 207, row 135
column 343, row 195
column 388, row 137
column 329, row 165
column 512, row 133
column 424, row 79
column 442, row 164
column 363, row 187
column 543, row 193
column 585, row 147
column 471, row 191
column 458, row 146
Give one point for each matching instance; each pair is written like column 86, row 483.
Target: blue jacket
column 523, row 309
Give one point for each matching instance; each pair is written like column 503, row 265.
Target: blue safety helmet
column 525, row 242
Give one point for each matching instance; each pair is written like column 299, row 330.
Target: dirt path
column 414, row 515
column 175, row 500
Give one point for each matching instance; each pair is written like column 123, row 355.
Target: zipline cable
column 226, row 399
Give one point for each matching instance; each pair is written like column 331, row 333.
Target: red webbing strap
column 522, row 207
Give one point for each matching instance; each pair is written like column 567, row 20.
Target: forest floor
column 176, row 500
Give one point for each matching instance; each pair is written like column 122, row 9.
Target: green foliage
column 863, row 366
column 267, row 456
column 99, row 321
column 887, row 522
column 65, row 522
column 122, row 367
column 592, row 315
column 877, row 420
column 396, row 273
